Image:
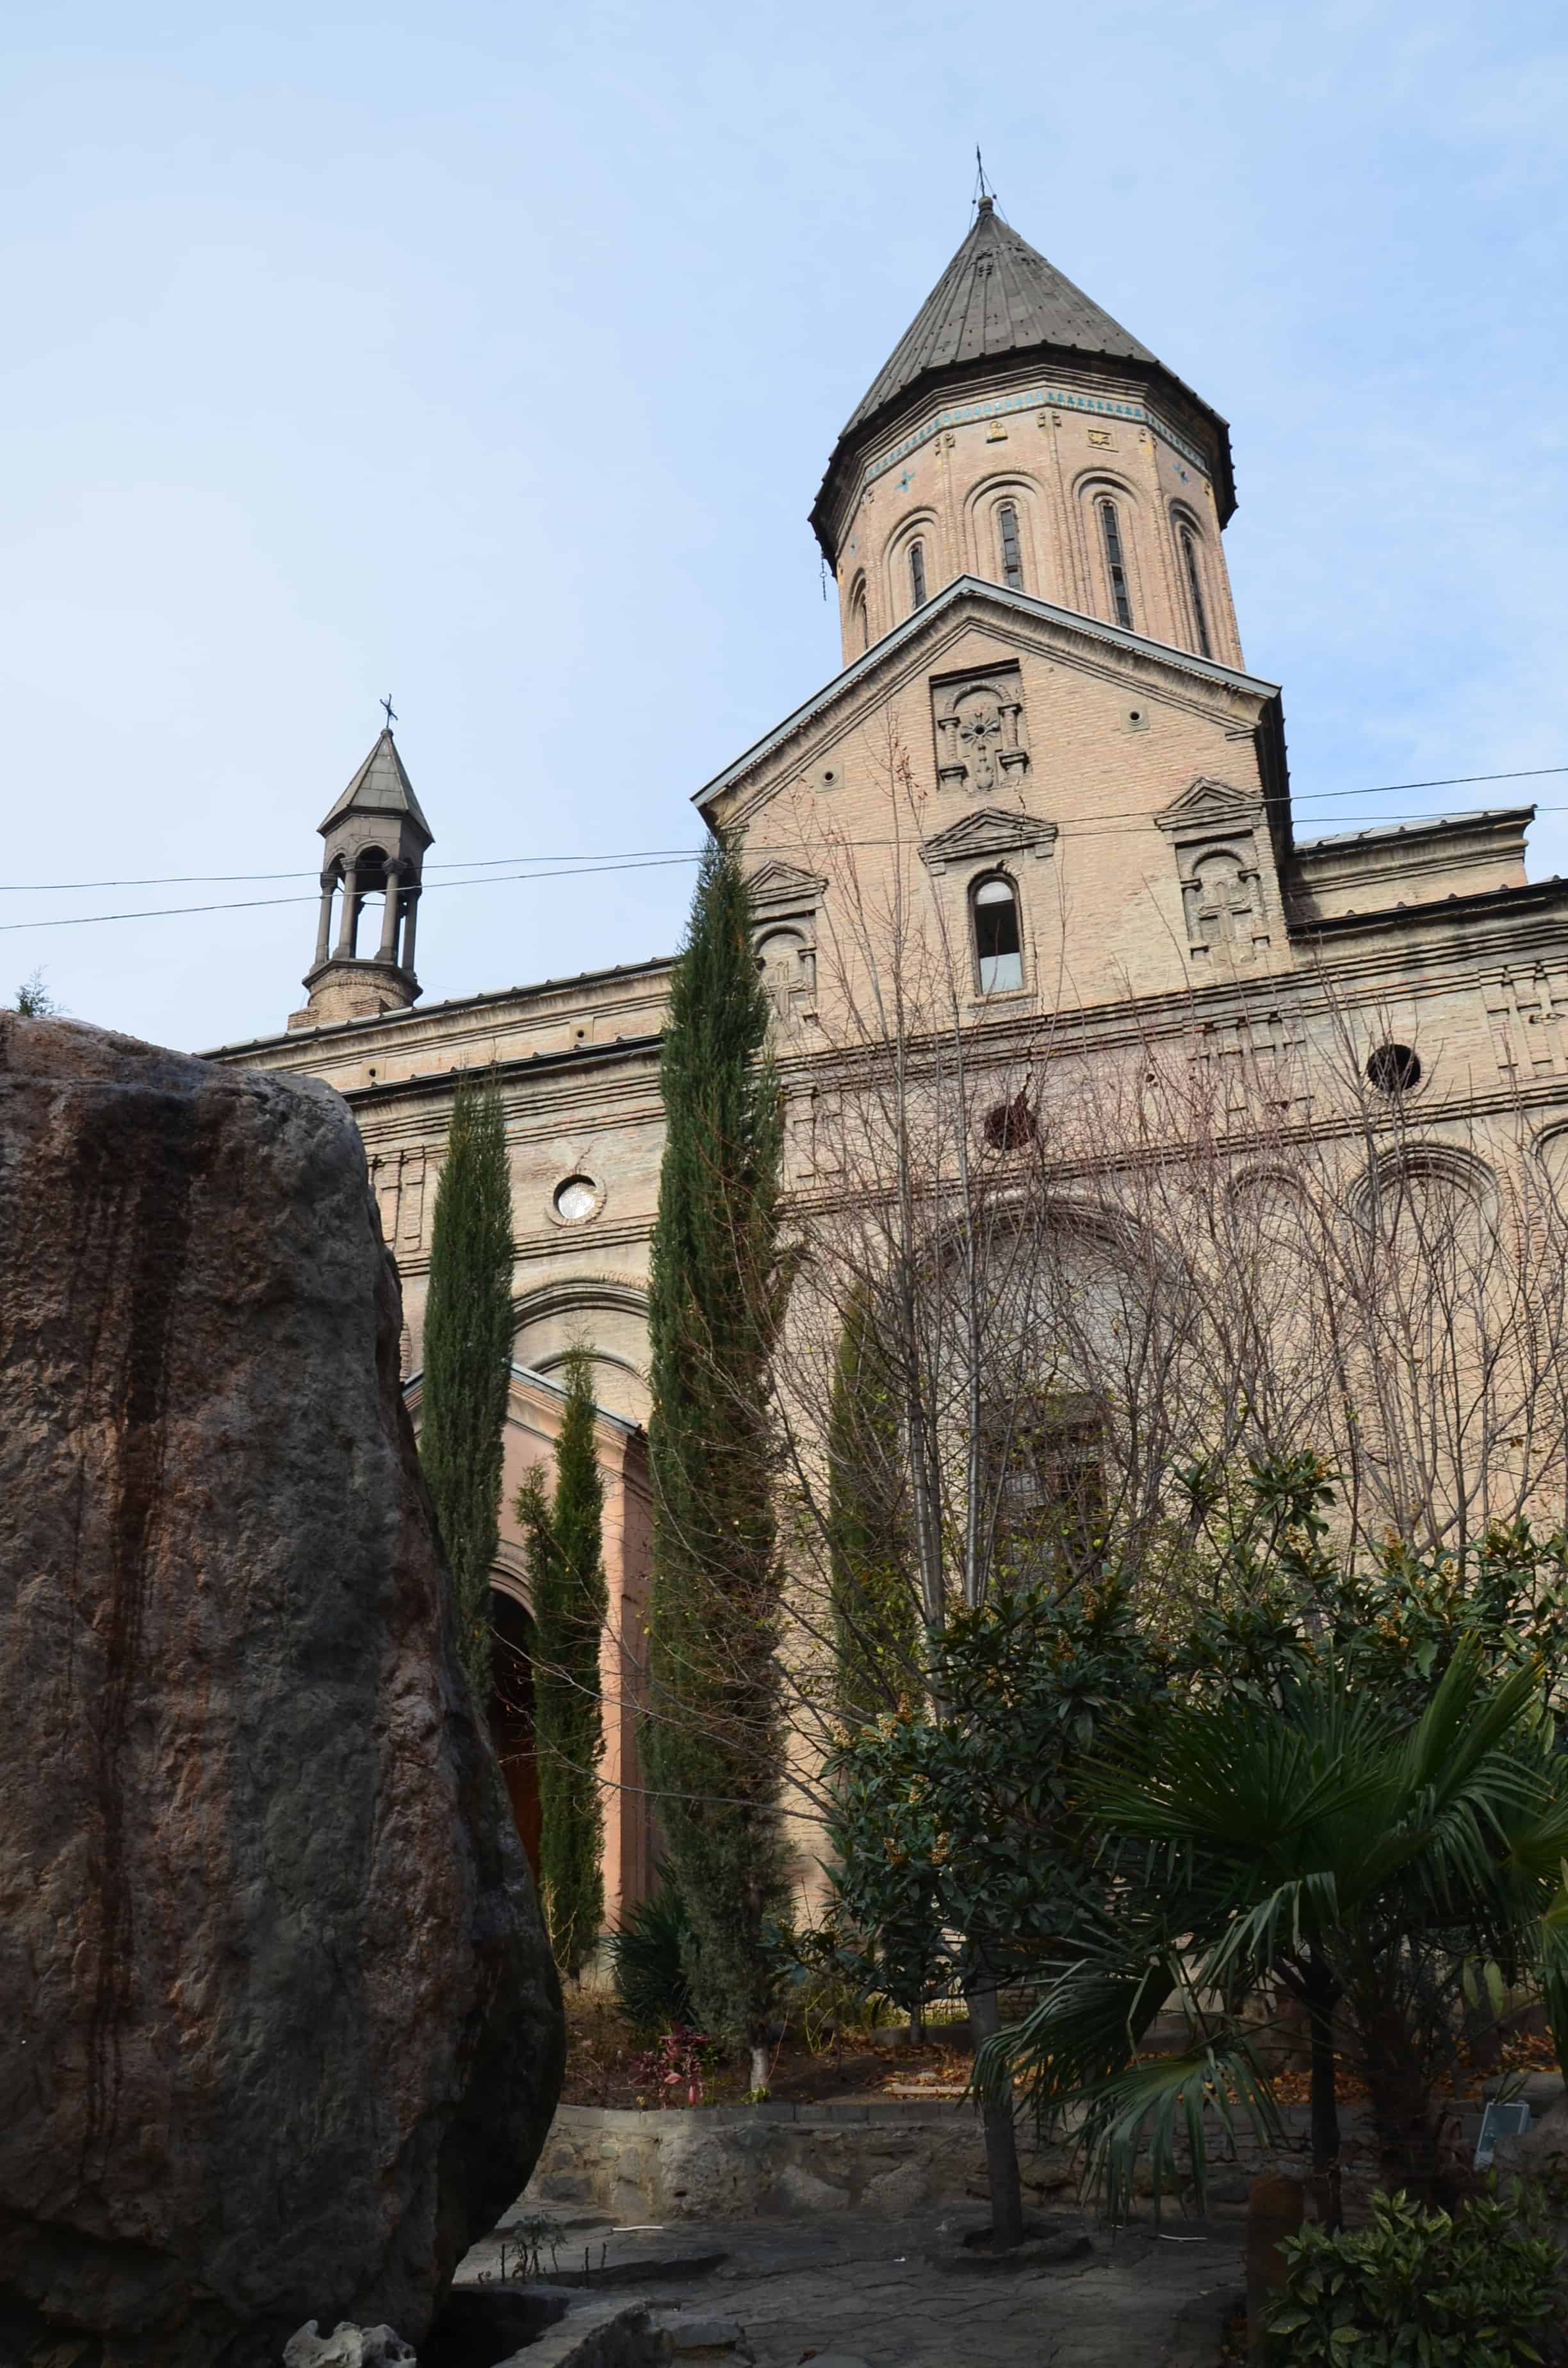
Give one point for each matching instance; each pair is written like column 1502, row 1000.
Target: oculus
column 575, row 1199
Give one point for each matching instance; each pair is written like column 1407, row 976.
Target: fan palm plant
column 1319, row 1846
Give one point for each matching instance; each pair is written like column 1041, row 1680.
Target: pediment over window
column 988, row 833
column 1210, row 806
column 778, row 887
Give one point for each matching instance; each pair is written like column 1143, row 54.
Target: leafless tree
column 1081, row 1260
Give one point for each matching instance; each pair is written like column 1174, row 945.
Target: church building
column 1024, row 517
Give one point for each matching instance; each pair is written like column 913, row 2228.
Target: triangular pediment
column 989, row 832
column 942, row 638
column 784, row 883
column 1209, row 803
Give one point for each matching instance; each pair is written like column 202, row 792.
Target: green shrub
column 1416, row 2288
column 648, row 1963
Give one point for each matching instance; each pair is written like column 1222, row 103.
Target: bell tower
column 376, row 841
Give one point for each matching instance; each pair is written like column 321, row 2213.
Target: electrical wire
column 633, row 858
column 597, row 867
column 258, row 904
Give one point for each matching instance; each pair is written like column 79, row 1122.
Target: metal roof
column 1425, row 826
column 380, row 786
column 411, row 1014
column 996, row 297
column 999, row 302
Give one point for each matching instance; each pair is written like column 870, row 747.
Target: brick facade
column 1130, row 790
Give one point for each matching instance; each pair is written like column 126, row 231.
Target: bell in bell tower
column 376, row 842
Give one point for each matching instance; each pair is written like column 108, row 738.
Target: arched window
column 860, row 622
column 998, row 947
column 917, row 574
column 1007, row 535
column 1115, row 563
column 1187, row 537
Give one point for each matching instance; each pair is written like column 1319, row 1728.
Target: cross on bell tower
column 376, row 842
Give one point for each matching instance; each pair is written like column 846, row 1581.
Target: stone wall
column 729, row 2162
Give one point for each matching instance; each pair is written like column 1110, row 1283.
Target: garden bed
column 608, row 2064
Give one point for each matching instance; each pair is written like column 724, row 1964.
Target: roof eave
column 1539, row 895
column 1499, row 818
column 854, row 438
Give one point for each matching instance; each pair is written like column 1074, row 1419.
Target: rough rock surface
column 281, row 2035
column 719, row 2164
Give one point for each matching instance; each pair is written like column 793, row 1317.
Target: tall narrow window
column 1012, row 559
column 997, row 946
column 917, row 574
column 860, row 622
column 1116, row 566
column 1188, row 541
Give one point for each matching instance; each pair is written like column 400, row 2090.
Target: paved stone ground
column 868, row 2288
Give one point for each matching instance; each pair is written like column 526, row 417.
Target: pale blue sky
column 492, row 354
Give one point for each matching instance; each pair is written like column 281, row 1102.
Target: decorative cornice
column 522, row 1064
column 1210, row 805
column 1534, row 896
column 777, row 884
column 1034, row 398
column 990, row 832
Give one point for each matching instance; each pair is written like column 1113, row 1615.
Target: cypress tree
column 564, row 1536
column 712, row 1740
column 468, row 1358
column 876, row 1627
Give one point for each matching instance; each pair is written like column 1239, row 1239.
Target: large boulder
column 278, row 2030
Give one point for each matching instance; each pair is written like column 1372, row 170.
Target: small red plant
column 677, row 2063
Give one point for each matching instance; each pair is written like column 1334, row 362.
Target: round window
column 576, row 1199
column 1011, row 1126
column 1394, row 1069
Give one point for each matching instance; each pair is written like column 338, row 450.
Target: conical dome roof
column 999, row 302
column 380, row 786
column 996, row 297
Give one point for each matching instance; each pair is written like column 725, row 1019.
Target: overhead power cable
column 255, row 903
column 637, row 858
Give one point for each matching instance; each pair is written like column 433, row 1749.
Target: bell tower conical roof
column 380, row 787
column 1001, row 308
